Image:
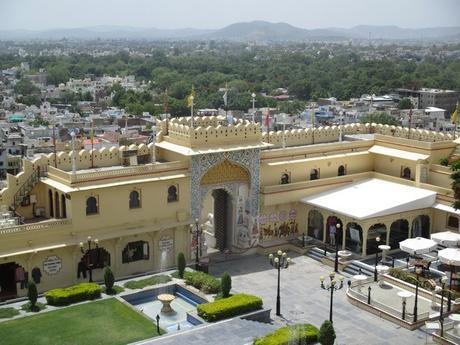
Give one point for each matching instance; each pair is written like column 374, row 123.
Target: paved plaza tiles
column 302, row 300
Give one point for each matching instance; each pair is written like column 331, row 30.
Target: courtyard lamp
column 441, row 316
column 336, row 264
column 253, row 106
column 196, row 230
column 279, row 261
column 158, row 323
column 90, row 257
column 418, row 271
column 332, row 286
column 377, row 239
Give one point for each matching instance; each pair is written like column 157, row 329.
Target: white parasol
column 450, row 256
column 417, row 246
column 446, row 238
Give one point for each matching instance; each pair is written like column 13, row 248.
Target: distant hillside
column 249, row 31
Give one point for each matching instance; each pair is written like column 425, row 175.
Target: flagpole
column 191, row 111
column 410, row 121
column 92, row 145
column 54, row 140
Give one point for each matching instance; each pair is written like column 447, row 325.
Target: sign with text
column 166, row 244
column 52, row 264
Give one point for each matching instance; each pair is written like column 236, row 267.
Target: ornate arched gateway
column 233, row 179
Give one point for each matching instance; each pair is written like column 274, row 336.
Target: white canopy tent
column 446, row 238
column 372, row 198
column 450, row 256
column 417, row 246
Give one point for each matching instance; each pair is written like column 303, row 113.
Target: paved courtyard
column 302, row 300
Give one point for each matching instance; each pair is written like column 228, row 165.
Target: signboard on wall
column 52, row 264
column 166, row 244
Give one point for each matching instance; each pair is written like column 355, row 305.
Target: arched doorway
column 9, row 273
column 354, row 238
column 376, row 230
column 315, row 225
column 50, row 203
column 399, row 231
column 332, row 233
column 341, row 170
column 232, row 224
column 421, row 226
column 56, row 201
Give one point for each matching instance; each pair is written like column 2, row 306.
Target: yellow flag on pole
column 454, row 117
column 191, row 97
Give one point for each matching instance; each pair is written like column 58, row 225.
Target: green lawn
column 96, row 323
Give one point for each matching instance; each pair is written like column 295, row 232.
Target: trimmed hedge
column 202, row 281
column 73, row 294
column 228, row 307
column 298, row 334
column 142, row 283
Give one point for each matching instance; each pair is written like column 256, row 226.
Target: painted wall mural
column 281, row 224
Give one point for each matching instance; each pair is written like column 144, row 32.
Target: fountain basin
column 166, row 300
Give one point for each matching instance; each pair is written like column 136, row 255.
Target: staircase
column 318, row 253
column 358, row 267
column 25, row 189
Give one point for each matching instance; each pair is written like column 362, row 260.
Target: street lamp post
column 196, row 230
column 158, row 323
column 377, row 239
column 418, row 270
column 441, row 316
column 90, row 257
column 336, row 264
column 279, row 261
column 449, row 295
column 331, row 287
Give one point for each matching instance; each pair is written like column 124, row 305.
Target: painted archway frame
column 248, row 159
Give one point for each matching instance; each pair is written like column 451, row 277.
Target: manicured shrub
column 298, row 334
column 109, row 280
column 142, row 283
column 326, row 334
column 32, row 295
column 232, row 306
column 225, row 284
column 444, row 161
column 202, row 281
column 73, row 294
column 181, row 264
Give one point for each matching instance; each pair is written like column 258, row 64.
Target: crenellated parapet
column 327, row 134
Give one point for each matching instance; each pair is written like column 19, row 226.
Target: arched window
column 285, row 179
column 134, row 199
column 135, row 251
column 314, row 174
column 51, row 204
column 406, row 173
column 91, row 206
column 452, row 222
column 341, row 171
column 56, row 201
column 63, row 207
column 172, row 194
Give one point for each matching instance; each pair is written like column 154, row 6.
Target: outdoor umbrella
column 417, row 246
column 446, row 238
column 450, row 256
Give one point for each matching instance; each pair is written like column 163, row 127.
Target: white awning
column 372, row 198
column 417, row 246
column 446, row 208
column 387, row 151
column 450, row 256
column 446, row 238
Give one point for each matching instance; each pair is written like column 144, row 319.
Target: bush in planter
column 225, row 285
column 326, row 335
column 298, row 334
column 109, row 280
column 73, row 294
column 32, row 295
column 181, row 265
column 228, row 307
column 202, row 281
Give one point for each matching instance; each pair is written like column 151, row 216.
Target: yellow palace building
column 248, row 189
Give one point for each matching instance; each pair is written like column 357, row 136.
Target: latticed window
column 134, row 199
column 91, row 206
column 172, row 194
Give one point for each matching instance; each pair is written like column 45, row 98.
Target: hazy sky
column 169, row 14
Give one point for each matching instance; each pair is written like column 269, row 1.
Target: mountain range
column 248, row 31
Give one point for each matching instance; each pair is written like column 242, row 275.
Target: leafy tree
column 326, row 335
column 26, row 88
column 226, row 285
column 379, row 117
column 32, row 295
column 181, row 264
column 405, row 103
column 109, row 280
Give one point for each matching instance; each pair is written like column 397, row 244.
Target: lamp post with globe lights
column 279, row 261
column 441, row 316
column 336, row 264
column 377, row 239
column 196, row 230
column 90, row 257
column 332, row 286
